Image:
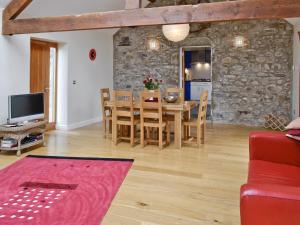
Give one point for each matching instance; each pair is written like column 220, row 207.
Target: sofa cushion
column 295, row 124
column 264, row 172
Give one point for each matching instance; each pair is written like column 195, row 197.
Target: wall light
column 153, row 44
column 239, row 41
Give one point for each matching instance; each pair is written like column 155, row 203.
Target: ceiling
column 42, row 8
column 3, row 3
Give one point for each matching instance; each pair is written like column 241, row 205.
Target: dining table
column 178, row 109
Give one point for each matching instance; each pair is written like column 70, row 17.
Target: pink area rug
column 40, row 190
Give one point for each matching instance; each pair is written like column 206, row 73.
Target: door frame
column 181, row 61
column 50, row 44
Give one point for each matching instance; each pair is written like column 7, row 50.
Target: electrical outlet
column 74, row 82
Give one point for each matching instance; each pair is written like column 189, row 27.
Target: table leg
column 114, row 128
column 177, row 130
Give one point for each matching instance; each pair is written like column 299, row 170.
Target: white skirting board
column 78, row 124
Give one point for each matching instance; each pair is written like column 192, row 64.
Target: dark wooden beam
column 14, row 9
column 201, row 13
column 133, row 4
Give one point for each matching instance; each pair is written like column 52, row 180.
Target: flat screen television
column 26, row 107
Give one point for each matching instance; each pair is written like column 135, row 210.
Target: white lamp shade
column 176, row 32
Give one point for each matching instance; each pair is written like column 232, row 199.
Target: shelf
column 24, row 128
column 28, row 145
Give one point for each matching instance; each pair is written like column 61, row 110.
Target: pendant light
column 176, row 32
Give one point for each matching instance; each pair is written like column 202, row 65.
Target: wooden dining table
column 178, row 109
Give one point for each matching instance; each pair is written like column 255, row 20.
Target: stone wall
column 248, row 82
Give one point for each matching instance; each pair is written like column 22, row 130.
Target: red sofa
column 272, row 193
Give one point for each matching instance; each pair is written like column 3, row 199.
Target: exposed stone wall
column 248, row 83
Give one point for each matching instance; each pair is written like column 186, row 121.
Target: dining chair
column 199, row 123
column 124, row 116
column 152, row 118
column 106, row 111
column 175, row 91
column 178, row 92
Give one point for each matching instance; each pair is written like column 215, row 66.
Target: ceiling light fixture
column 176, row 32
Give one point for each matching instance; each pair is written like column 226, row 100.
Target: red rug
column 40, row 190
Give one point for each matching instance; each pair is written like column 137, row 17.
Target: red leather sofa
column 272, row 193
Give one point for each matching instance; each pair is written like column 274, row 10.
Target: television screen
column 23, row 107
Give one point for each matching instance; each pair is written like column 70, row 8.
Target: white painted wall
column 14, row 68
column 78, row 104
column 296, row 71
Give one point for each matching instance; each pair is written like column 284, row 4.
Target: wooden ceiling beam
column 201, row 13
column 14, row 9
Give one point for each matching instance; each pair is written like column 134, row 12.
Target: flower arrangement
column 151, row 83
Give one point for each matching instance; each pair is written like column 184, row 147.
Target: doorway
column 196, row 74
column 43, row 75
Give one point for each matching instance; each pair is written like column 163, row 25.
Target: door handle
column 46, row 90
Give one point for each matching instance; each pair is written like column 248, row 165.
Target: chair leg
column 135, row 133
column 168, row 134
column 142, row 136
column 110, row 126
column 202, row 133
column 147, row 133
column 117, row 134
column 132, row 135
column 198, row 136
column 185, row 135
column 104, row 127
column 160, row 139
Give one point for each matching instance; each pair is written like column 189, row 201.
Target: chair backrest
column 123, row 104
column 203, row 107
column 151, row 105
column 105, row 97
column 177, row 92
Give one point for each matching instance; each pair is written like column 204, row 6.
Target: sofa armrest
column 274, row 147
column 263, row 204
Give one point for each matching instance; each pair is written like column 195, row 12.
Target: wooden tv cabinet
column 20, row 132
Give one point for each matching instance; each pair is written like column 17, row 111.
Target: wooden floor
column 168, row 187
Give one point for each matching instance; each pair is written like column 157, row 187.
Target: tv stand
column 20, row 132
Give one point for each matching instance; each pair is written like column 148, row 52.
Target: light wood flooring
column 190, row 186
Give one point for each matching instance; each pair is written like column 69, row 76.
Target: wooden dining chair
column 106, row 111
column 152, row 118
column 199, row 123
column 124, row 116
column 175, row 91
column 178, row 92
